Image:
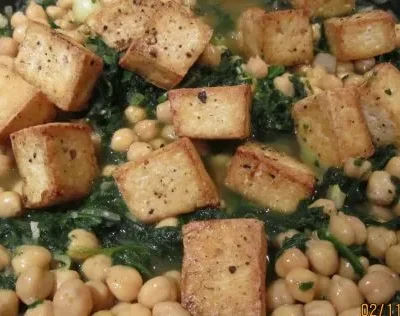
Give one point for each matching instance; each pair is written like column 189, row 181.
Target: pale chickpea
column 30, row 256
column 359, row 229
column 382, row 268
column 55, row 12
column 290, row 259
column 318, row 308
column 164, row 112
column 147, row 129
column 138, row 151
column 105, row 313
column 168, row 222
column 322, row 287
column 356, row 311
column 7, row 62
column 156, row 290
column 122, row 139
column 73, row 298
column 323, row 257
column 34, row 284
column 158, row 143
column 135, row 114
column 108, row 170
column 43, row 309
column 63, row 276
column 81, row 239
column 18, row 19
column 316, row 31
column 301, row 284
column 377, row 287
column 35, row 12
column 175, row 276
column 102, row 297
column 278, row 294
column 330, row 82
column 353, row 80
column 10, row 204
column 346, row 269
column 281, row 238
column 344, row 294
column 379, row 240
column 9, row 303
column 358, row 168
column 19, row 33
column 257, row 67
column 96, row 267
column 363, row 65
column 289, row 310
column 211, row 56
column 344, row 69
column 328, row 206
column 380, row 189
column 121, row 308
column 168, row 133
column 5, row 258
column 392, row 258
column 65, row 4
column 124, row 282
column 169, row 309
column 381, row 214
column 393, row 167
column 341, row 228
column 8, row 47
column 284, row 85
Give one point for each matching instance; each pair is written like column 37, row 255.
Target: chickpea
column 138, row 151
column 19, row 33
column 353, row 80
column 377, row 287
column 55, row 12
column 296, row 279
column 81, row 239
column 18, row 19
column 135, row 114
column 122, row 139
column 393, row 167
column 392, row 258
column 43, row 309
column 356, row 311
column 330, row 82
column 35, row 12
column 322, row 287
column 28, row 256
column 346, row 269
column 104, row 313
column 211, row 56
column 379, row 240
column 137, row 310
column 168, row 222
column 168, row 133
column 344, row 69
column 358, row 168
column 146, row 129
column 8, row 303
column 282, row 237
column 108, row 170
column 363, row 65
column 289, row 310
column 158, row 143
column 342, row 229
column 102, row 298
column 380, row 213
column 63, row 276
column 344, row 294
column 156, row 290
column 323, row 256
column 65, row 4
column 318, row 308
column 380, row 189
column 291, row 259
column 121, row 308
column 257, row 67
column 165, row 113
column 169, row 309
column 278, row 294
column 316, row 31
column 175, row 276
column 96, row 267
column 359, row 229
column 8, row 47
column 328, row 206
column 5, row 258
column 284, row 85
column 124, row 282
column 34, row 284
column 73, row 298
column 382, row 268
column 10, row 204
column 7, row 62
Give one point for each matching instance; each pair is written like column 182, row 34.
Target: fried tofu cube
column 331, row 126
column 380, row 99
column 172, row 43
column 212, row 113
column 224, row 267
column 64, row 70
column 269, row 178
column 362, row 35
column 325, row 8
column 56, row 161
column 288, row 38
column 170, row 181
column 21, row 104
column 121, row 22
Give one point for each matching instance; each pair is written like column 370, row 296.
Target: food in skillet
column 175, row 158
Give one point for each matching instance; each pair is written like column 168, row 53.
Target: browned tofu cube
column 224, row 268
column 170, row 181
column 325, row 8
column 288, row 38
column 21, row 104
column 64, row 70
column 56, row 161
column 123, row 21
column 173, row 42
column 380, row 98
column 331, row 126
column 212, row 113
column 269, row 178
column 362, row 35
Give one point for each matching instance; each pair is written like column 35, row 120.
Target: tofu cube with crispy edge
column 362, row 35
column 21, row 104
column 288, row 38
column 56, row 161
column 170, row 181
column 224, row 267
column 123, row 21
column 64, row 70
column 325, row 8
column 212, row 113
column 380, row 99
column 269, row 178
column 171, row 44
column 250, row 25
column 331, row 126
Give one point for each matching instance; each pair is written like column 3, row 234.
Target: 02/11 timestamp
column 380, row 309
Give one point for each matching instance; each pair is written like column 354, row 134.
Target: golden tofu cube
column 380, row 99
column 331, row 125
column 172, row 43
column 21, row 104
column 64, row 70
column 56, row 161
column 212, row 113
column 121, row 22
column 170, row 181
column 362, row 35
column 224, row 268
column 269, row 178
column 325, row 8
column 288, row 38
